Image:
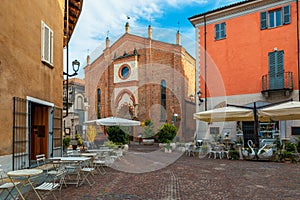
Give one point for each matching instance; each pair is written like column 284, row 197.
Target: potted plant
column 66, row 142
column 166, row 133
column 168, row 148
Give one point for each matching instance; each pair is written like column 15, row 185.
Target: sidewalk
column 193, row 178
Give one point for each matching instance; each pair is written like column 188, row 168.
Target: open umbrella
column 114, row 121
column 285, row 111
column 229, row 113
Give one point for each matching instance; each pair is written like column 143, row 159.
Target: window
column 220, row 31
column 275, row 18
column 47, row 44
column 214, row 130
column 79, row 103
column 98, row 103
column 163, row 100
column 295, row 130
column 124, row 71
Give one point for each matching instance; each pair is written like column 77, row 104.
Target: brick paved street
column 191, row 178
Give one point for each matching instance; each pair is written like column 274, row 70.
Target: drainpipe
column 298, row 61
column 205, row 67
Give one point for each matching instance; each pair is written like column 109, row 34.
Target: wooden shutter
column 263, row 20
column 47, row 44
column 217, row 31
column 276, row 69
column 223, row 30
column 286, row 15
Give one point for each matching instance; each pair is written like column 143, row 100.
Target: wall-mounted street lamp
column 199, row 97
column 75, row 65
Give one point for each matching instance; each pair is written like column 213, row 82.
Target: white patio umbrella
column 114, row 121
column 285, row 111
column 229, row 113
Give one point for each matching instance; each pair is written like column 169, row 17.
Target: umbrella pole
column 256, row 139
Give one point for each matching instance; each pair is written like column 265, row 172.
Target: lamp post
column 175, row 118
column 75, row 65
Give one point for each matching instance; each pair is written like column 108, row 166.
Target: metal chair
column 6, row 185
column 53, row 181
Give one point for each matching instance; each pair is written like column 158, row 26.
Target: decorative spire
column 150, row 32
column 127, row 25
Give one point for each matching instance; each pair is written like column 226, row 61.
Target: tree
column 166, row 133
column 117, row 135
column 91, row 134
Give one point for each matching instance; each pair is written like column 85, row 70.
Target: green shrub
column 166, row 133
column 234, row 154
column 66, row 141
column 117, row 135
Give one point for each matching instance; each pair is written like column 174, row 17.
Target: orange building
column 248, row 52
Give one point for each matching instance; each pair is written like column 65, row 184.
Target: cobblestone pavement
column 192, row 178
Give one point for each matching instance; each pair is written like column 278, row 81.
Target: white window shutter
column 47, row 44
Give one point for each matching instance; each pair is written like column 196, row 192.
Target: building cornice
column 236, row 10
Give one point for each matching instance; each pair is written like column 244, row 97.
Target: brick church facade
column 141, row 78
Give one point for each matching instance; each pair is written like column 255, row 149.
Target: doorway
column 39, row 130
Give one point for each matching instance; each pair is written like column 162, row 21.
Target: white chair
column 99, row 163
column 42, row 163
column 6, row 185
column 189, row 149
column 109, row 161
column 53, row 182
column 87, row 173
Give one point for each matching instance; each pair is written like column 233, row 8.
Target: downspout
column 205, row 67
column 67, row 86
column 298, row 61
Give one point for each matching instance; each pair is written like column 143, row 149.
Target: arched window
column 98, row 103
column 163, row 100
column 79, row 103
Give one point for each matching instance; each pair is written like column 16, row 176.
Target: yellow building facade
column 32, row 40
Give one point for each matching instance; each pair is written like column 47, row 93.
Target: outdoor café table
column 100, row 151
column 24, row 173
column 88, row 154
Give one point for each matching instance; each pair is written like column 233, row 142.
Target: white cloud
column 100, row 16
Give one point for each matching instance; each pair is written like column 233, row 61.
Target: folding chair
column 87, row 173
column 53, row 181
column 6, row 185
column 42, row 164
column 99, row 163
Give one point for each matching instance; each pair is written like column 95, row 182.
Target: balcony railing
column 278, row 82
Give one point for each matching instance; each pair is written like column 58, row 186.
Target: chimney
column 107, row 42
column 127, row 27
column 149, row 32
column 178, row 38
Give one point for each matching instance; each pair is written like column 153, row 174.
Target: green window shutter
column 272, row 63
column 286, row 14
column 217, row 31
column 280, row 62
column 223, row 30
column 276, row 69
column 263, row 20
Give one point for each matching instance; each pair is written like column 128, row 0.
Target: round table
column 24, row 173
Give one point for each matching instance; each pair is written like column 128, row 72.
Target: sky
column 102, row 18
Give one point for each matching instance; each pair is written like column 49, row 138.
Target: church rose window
column 124, row 72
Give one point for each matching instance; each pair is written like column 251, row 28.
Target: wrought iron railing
column 280, row 81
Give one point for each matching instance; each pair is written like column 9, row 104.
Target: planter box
column 148, row 141
column 168, row 150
